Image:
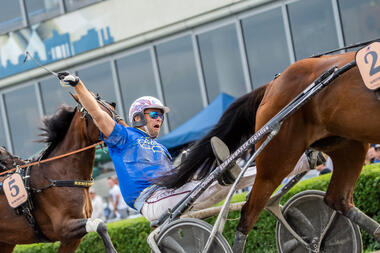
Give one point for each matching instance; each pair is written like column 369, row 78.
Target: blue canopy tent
column 196, row 127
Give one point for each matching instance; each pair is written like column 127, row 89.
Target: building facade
column 183, row 52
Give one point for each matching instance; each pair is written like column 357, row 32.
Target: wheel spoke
column 171, row 243
column 301, row 222
column 290, row 246
column 199, row 237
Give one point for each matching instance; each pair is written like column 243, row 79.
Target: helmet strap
column 147, row 131
column 140, row 123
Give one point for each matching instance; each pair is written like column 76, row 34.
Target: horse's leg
column 348, row 162
column 251, row 210
column 6, row 248
column 69, row 247
column 76, row 229
column 270, row 173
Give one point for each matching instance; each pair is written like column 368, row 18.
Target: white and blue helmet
column 140, row 105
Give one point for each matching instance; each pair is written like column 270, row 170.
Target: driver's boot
column 315, row 158
column 221, row 153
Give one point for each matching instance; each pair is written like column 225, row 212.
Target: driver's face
column 153, row 125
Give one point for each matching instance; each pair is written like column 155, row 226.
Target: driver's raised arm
column 103, row 121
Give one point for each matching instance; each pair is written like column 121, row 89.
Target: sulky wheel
column 308, row 215
column 190, row 235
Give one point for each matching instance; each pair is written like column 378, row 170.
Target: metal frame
column 157, row 77
column 116, row 82
column 198, row 65
column 7, row 132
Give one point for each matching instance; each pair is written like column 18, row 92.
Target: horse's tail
column 234, row 127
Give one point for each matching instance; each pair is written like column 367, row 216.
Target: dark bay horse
column 61, row 213
column 341, row 120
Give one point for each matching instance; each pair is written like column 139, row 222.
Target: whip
column 31, row 57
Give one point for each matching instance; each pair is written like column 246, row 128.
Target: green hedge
column 130, row 235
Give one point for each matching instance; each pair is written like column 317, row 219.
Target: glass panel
column 72, row 5
column 136, row 78
column 179, row 80
column 313, row 27
column 10, row 15
column 360, row 20
column 24, row 120
column 53, row 96
column 267, row 52
column 221, row 62
column 41, row 9
column 98, row 79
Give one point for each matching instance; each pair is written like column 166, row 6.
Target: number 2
column 374, row 70
column 13, row 187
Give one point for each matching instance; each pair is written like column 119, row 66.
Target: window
column 136, row 78
column 98, row 79
column 179, row 79
column 10, row 16
column 53, row 96
column 265, row 41
column 221, row 61
column 72, row 5
column 313, row 27
column 360, row 20
column 24, row 120
column 39, row 10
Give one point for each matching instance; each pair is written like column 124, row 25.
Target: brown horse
column 340, row 120
column 60, row 213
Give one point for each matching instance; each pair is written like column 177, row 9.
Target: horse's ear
column 76, row 98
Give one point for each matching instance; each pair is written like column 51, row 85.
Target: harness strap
column 26, row 208
column 66, row 183
column 26, row 211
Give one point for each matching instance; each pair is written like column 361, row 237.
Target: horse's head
column 89, row 128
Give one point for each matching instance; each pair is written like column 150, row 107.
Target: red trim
column 169, row 196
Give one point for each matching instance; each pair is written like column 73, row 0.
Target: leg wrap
column 365, row 222
column 239, row 242
column 97, row 225
column 92, row 224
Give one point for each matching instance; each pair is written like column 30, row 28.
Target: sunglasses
column 155, row 115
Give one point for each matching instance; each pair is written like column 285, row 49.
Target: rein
column 347, row 47
column 52, row 158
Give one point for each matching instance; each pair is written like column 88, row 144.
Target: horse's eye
column 113, row 104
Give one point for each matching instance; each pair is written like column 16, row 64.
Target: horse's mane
column 235, row 126
column 8, row 160
column 55, row 127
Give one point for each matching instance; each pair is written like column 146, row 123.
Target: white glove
column 67, row 79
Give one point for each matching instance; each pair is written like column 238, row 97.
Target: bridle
column 103, row 103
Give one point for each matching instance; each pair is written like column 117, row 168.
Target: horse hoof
column 377, row 235
column 239, row 242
